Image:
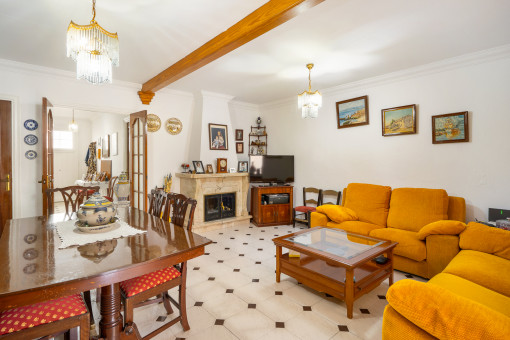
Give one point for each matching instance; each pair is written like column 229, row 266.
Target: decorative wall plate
column 31, row 124
column 153, row 122
column 31, row 139
column 173, row 126
column 31, row 154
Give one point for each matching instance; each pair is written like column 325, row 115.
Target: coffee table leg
column 349, row 291
column 111, row 319
column 390, row 258
column 278, row 256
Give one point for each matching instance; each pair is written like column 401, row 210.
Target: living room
column 398, row 54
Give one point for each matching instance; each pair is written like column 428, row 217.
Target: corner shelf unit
column 258, row 141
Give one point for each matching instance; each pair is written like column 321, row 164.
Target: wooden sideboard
column 265, row 214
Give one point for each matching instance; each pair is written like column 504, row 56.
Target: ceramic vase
column 122, row 188
column 96, row 211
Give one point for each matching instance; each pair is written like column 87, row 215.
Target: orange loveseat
column 424, row 222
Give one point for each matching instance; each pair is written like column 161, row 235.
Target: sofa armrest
column 441, row 249
column 318, row 220
column 397, row 327
column 441, row 227
column 444, row 314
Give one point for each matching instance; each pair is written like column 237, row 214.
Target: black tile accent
column 262, row 231
column 161, row 318
column 214, row 242
column 211, row 278
column 278, row 293
column 196, row 268
column 343, row 328
column 245, row 243
column 221, row 233
column 280, row 324
column 258, row 262
column 227, row 248
column 261, row 239
column 180, row 338
column 220, row 261
column 219, row 322
column 382, row 297
column 248, row 234
column 276, row 227
column 250, row 227
column 260, row 249
column 236, row 229
column 307, row 308
column 252, row 306
column 409, row 276
column 241, row 255
column 276, row 235
column 206, row 253
column 229, row 291
column 237, row 270
column 199, row 304
column 364, row 311
column 232, row 238
column 255, row 280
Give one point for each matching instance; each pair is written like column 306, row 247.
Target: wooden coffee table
column 335, row 262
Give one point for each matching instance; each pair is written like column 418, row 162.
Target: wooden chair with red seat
column 137, row 292
column 47, row 319
column 302, row 213
column 111, row 188
column 331, row 197
column 157, row 202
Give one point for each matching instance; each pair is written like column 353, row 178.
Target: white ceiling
column 348, row 40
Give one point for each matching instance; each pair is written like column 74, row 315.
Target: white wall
column 331, row 158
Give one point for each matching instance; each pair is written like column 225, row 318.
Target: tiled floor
column 232, row 294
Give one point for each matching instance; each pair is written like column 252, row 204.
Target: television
column 271, row 169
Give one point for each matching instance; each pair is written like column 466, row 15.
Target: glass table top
column 336, row 242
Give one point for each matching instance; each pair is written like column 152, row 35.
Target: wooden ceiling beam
column 260, row 21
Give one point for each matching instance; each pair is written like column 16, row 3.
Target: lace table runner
column 70, row 235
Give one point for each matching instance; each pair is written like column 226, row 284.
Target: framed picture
column 199, row 167
column 239, row 134
column 239, row 147
column 399, row 120
column 114, row 149
column 106, row 146
column 209, row 169
column 242, row 166
column 352, row 112
column 450, row 128
column 232, row 170
column 218, row 137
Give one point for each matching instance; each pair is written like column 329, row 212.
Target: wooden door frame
column 16, row 153
column 132, row 118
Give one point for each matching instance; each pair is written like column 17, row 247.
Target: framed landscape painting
column 450, row 128
column 218, row 137
column 399, row 120
column 352, row 112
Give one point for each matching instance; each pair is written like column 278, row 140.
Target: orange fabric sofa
column 469, row 299
column 406, row 216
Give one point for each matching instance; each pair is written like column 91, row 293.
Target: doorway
column 6, row 162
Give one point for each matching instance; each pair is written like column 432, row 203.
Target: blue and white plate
column 31, row 139
column 31, row 124
column 31, row 154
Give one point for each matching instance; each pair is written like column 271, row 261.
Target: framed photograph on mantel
column 218, row 137
column 450, row 128
column 352, row 112
column 399, row 120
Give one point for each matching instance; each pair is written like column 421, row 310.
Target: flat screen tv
column 272, row 169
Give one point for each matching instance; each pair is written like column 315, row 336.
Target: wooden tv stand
column 271, row 214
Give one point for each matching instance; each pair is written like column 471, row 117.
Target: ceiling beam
column 262, row 20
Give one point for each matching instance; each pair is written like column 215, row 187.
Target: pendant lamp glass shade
column 72, row 125
column 309, row 102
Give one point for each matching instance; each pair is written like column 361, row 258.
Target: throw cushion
column 408, row 243
column 413, row 208
column 442, row 227
column 486, row 239
column 16, row 319
column 145, row 282
column 370, row 202
column 337, row 213
column 446, row 315
column 355, row 227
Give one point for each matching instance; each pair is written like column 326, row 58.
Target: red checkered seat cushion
column 304, row 209
column 16, row 319
column 145, row 282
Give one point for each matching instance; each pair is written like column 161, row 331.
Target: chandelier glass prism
column 309, row 102
column 94, row 49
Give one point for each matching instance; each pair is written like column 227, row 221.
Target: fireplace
column 219, row 206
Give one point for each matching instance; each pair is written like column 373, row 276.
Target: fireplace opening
column 219, row 206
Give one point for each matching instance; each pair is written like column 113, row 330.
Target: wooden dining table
column 34, row 269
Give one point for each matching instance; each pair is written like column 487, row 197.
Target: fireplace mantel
column 198, row 185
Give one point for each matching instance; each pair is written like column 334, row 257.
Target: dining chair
column 141, row 290
column 47, row 319
column 157, row 200
column 111, row 187
column 330, row 197
column 73, row 197
column 302, row 213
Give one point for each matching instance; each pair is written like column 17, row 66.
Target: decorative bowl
column 96, row 211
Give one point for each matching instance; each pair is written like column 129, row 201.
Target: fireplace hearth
column 219, row 206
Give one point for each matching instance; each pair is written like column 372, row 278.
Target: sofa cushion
column 337, row 213
column 408, row 243
column 487, row 270
column 444, row 314
column 442, row 227
column 412, row 208
column 473, row 291
column 486, row 239
column 355, row 227
column 370, row 202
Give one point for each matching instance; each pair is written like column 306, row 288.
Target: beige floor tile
column 254, row 292
column 308, row 325
column 224, row 306
column 233, row 280
column 213, row 333
column 249, row 324
column 280, row 334
column 206, row 290
column 303, row 295
column 198, row 319
column 279, row 308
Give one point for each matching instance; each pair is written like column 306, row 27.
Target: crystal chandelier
column 309, row 102
column 94, row 49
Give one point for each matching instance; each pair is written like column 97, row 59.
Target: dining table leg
column 111, row 319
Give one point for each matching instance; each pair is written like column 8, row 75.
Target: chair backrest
column 315, row 199
column 331, row 197
column 111, row 186
column 157, row 200
column 73, row 197
column 182, row 210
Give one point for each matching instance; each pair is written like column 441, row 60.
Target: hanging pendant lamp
column 309, row 102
